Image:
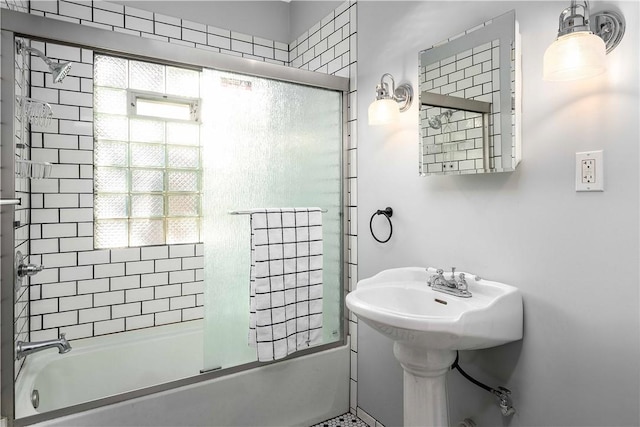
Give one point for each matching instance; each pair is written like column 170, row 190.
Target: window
column 147, row 156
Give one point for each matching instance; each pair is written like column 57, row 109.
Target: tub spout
column 26, row 348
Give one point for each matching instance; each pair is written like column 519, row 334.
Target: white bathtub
column 107, row 365
column 296, row 392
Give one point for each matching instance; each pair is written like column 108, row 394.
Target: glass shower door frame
column 17, row 24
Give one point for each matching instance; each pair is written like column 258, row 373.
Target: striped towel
column 286, row 281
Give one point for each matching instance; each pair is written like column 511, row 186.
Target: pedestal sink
column 428, row 326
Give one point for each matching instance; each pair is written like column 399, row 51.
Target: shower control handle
column 29, row 269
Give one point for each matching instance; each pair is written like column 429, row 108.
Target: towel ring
column 388, row 212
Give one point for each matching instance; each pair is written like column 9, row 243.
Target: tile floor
column 344, row 420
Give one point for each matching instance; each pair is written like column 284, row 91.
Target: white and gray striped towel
column 286, row 281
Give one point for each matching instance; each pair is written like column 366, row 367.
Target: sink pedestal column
column 425, row 391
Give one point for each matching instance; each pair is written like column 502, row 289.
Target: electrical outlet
column 589, row 171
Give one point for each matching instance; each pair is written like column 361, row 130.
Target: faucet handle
column 453, row 272
column 439, row 271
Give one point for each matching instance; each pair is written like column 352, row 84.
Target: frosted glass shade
column 383, row 112
column 574, row 56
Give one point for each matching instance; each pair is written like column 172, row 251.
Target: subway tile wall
column 22, row 189
column 330, row 46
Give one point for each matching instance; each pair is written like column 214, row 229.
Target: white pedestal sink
column 428, row 326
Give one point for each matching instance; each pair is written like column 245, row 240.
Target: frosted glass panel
column 110, row 71
column 183, row 82
column 111, row 127
column 146, row 232
column 266, row 144
column 112, row 101
column 111, row 233
column 146, row 76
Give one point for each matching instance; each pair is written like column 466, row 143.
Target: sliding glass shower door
column 266, row 144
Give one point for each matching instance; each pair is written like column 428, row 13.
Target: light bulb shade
column 574, row 56
column 383, row 112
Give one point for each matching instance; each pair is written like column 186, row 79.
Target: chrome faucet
column 26, row 348
column 454, row 285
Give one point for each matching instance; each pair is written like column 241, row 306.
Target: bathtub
column 300, row 391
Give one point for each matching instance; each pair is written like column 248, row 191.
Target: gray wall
column 304, row 14
column 573, row 255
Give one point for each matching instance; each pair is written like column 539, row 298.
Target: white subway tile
column 93, row 286
column 141, row 294
column 59, row 319
column 128, row 10
column 154, row 306
column 108, row 270
column 241, row 46
column 75, row 215
column 137, row 24
column 167, row 291
column 107, row 17
column 181, row 276
column 47, row 334
column 76, row 273
column 69, row 53
column 242, row 37
column 44, row 306
column 182, row 302
column 192, row 288
column 154, row 279
column 218, row 31
column 168, row 265
column 80, row 69
column 193, row 262
column 266, row 52
column 125, row 310
column 106, row 5
column 61, row 141
column 93, row 257
column 45, row 186
column 66, row 112
column 168, row 317
column 69, row 244
column 177, row 251
column 76, row 98
column 125, row 282
column 44, row 246
column 48, row 275
column 43, row 216
column 167, row 30
column 76, row 302
column 155, row 252
column 125, row 254
column 97, row 25
column 108, row 327
column 139, row 267
column 75, row 127
column 76, row 156
column 138, row 322
column 59, row 260
column 85, row 142
column 60, row 201
column 128, row 31
column 108, row 298
column 44, row 155
column 167, row 19
column 44, row 5
column 194, row 36
column 77, row 331
column 85, row 229
column 192, row 313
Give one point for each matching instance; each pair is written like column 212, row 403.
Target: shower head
column 436, row 122
column 59, row 70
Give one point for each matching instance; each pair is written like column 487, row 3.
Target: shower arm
column 35, row 51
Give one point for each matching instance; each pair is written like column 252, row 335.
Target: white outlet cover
column 598, row 184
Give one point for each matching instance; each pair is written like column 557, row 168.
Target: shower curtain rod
column 250, row 211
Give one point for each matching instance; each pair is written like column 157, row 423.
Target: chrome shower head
column 59, row 70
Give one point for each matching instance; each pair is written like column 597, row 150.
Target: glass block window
column 147, row 154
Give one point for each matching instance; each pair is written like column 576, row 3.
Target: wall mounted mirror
column 470, row 101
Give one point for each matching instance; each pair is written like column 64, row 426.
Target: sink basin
column 399, row 304
column 428, row 326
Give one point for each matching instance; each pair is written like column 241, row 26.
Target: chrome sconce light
column 582, row 44
column 390, row 101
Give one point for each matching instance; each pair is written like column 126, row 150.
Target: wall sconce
column 582, row 44
column 389, row 103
